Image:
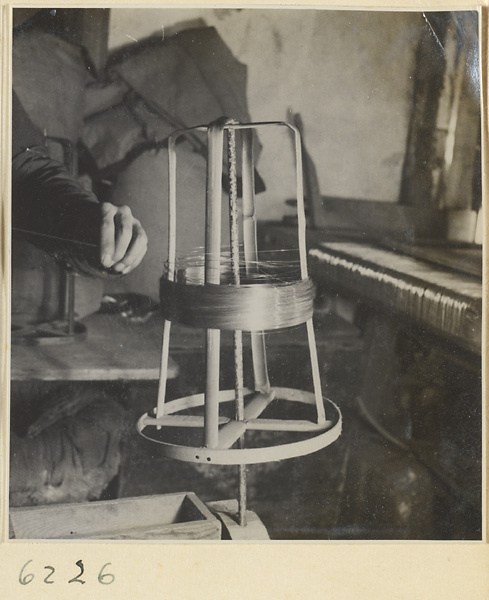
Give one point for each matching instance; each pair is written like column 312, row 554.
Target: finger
column 136, row 251
column 107, row 234
column 133, row 266
column 123, row 232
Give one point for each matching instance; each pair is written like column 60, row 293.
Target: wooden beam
column 232, row 431
column 227, row 512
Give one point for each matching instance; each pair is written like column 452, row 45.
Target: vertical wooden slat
column 215, row 136
column 172, row 207
column 258, row 349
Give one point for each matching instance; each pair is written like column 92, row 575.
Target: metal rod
column 242, row 495
column 238, row 336
column 234, row 237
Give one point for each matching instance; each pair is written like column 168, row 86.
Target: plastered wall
column 349, row 74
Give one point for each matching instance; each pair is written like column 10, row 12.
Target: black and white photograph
column 246, row 275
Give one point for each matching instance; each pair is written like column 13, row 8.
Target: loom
column 227, row 291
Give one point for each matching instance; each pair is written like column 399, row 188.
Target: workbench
column 417, row 474
column 435, row 288
column 114, row 349
column 414, row 434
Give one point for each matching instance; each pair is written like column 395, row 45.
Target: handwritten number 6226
column 104, row 578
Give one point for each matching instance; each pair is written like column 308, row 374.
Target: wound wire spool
column 237, row 289
column 269, row 297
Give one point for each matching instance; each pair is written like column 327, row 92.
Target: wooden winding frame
column 220, row 433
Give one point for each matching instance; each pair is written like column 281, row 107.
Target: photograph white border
column 279, row 570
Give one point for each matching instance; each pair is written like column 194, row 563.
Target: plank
column 467, row 260
column 114, row 349
column 198, row 530
column 402, row 267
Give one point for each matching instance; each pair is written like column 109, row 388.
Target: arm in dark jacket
column 53, row 211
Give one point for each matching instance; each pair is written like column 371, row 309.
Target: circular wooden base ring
column 245, row 456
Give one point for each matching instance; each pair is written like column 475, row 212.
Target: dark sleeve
column 49, row 206
column 24, row 133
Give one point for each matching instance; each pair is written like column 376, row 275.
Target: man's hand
column 123, row 241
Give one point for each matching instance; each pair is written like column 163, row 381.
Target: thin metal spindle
column 234, row 237
column 238, row 334
column 242, row 498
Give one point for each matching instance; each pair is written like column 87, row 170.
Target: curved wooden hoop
column 328, row 433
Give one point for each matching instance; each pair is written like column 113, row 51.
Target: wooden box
column 162, row 517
